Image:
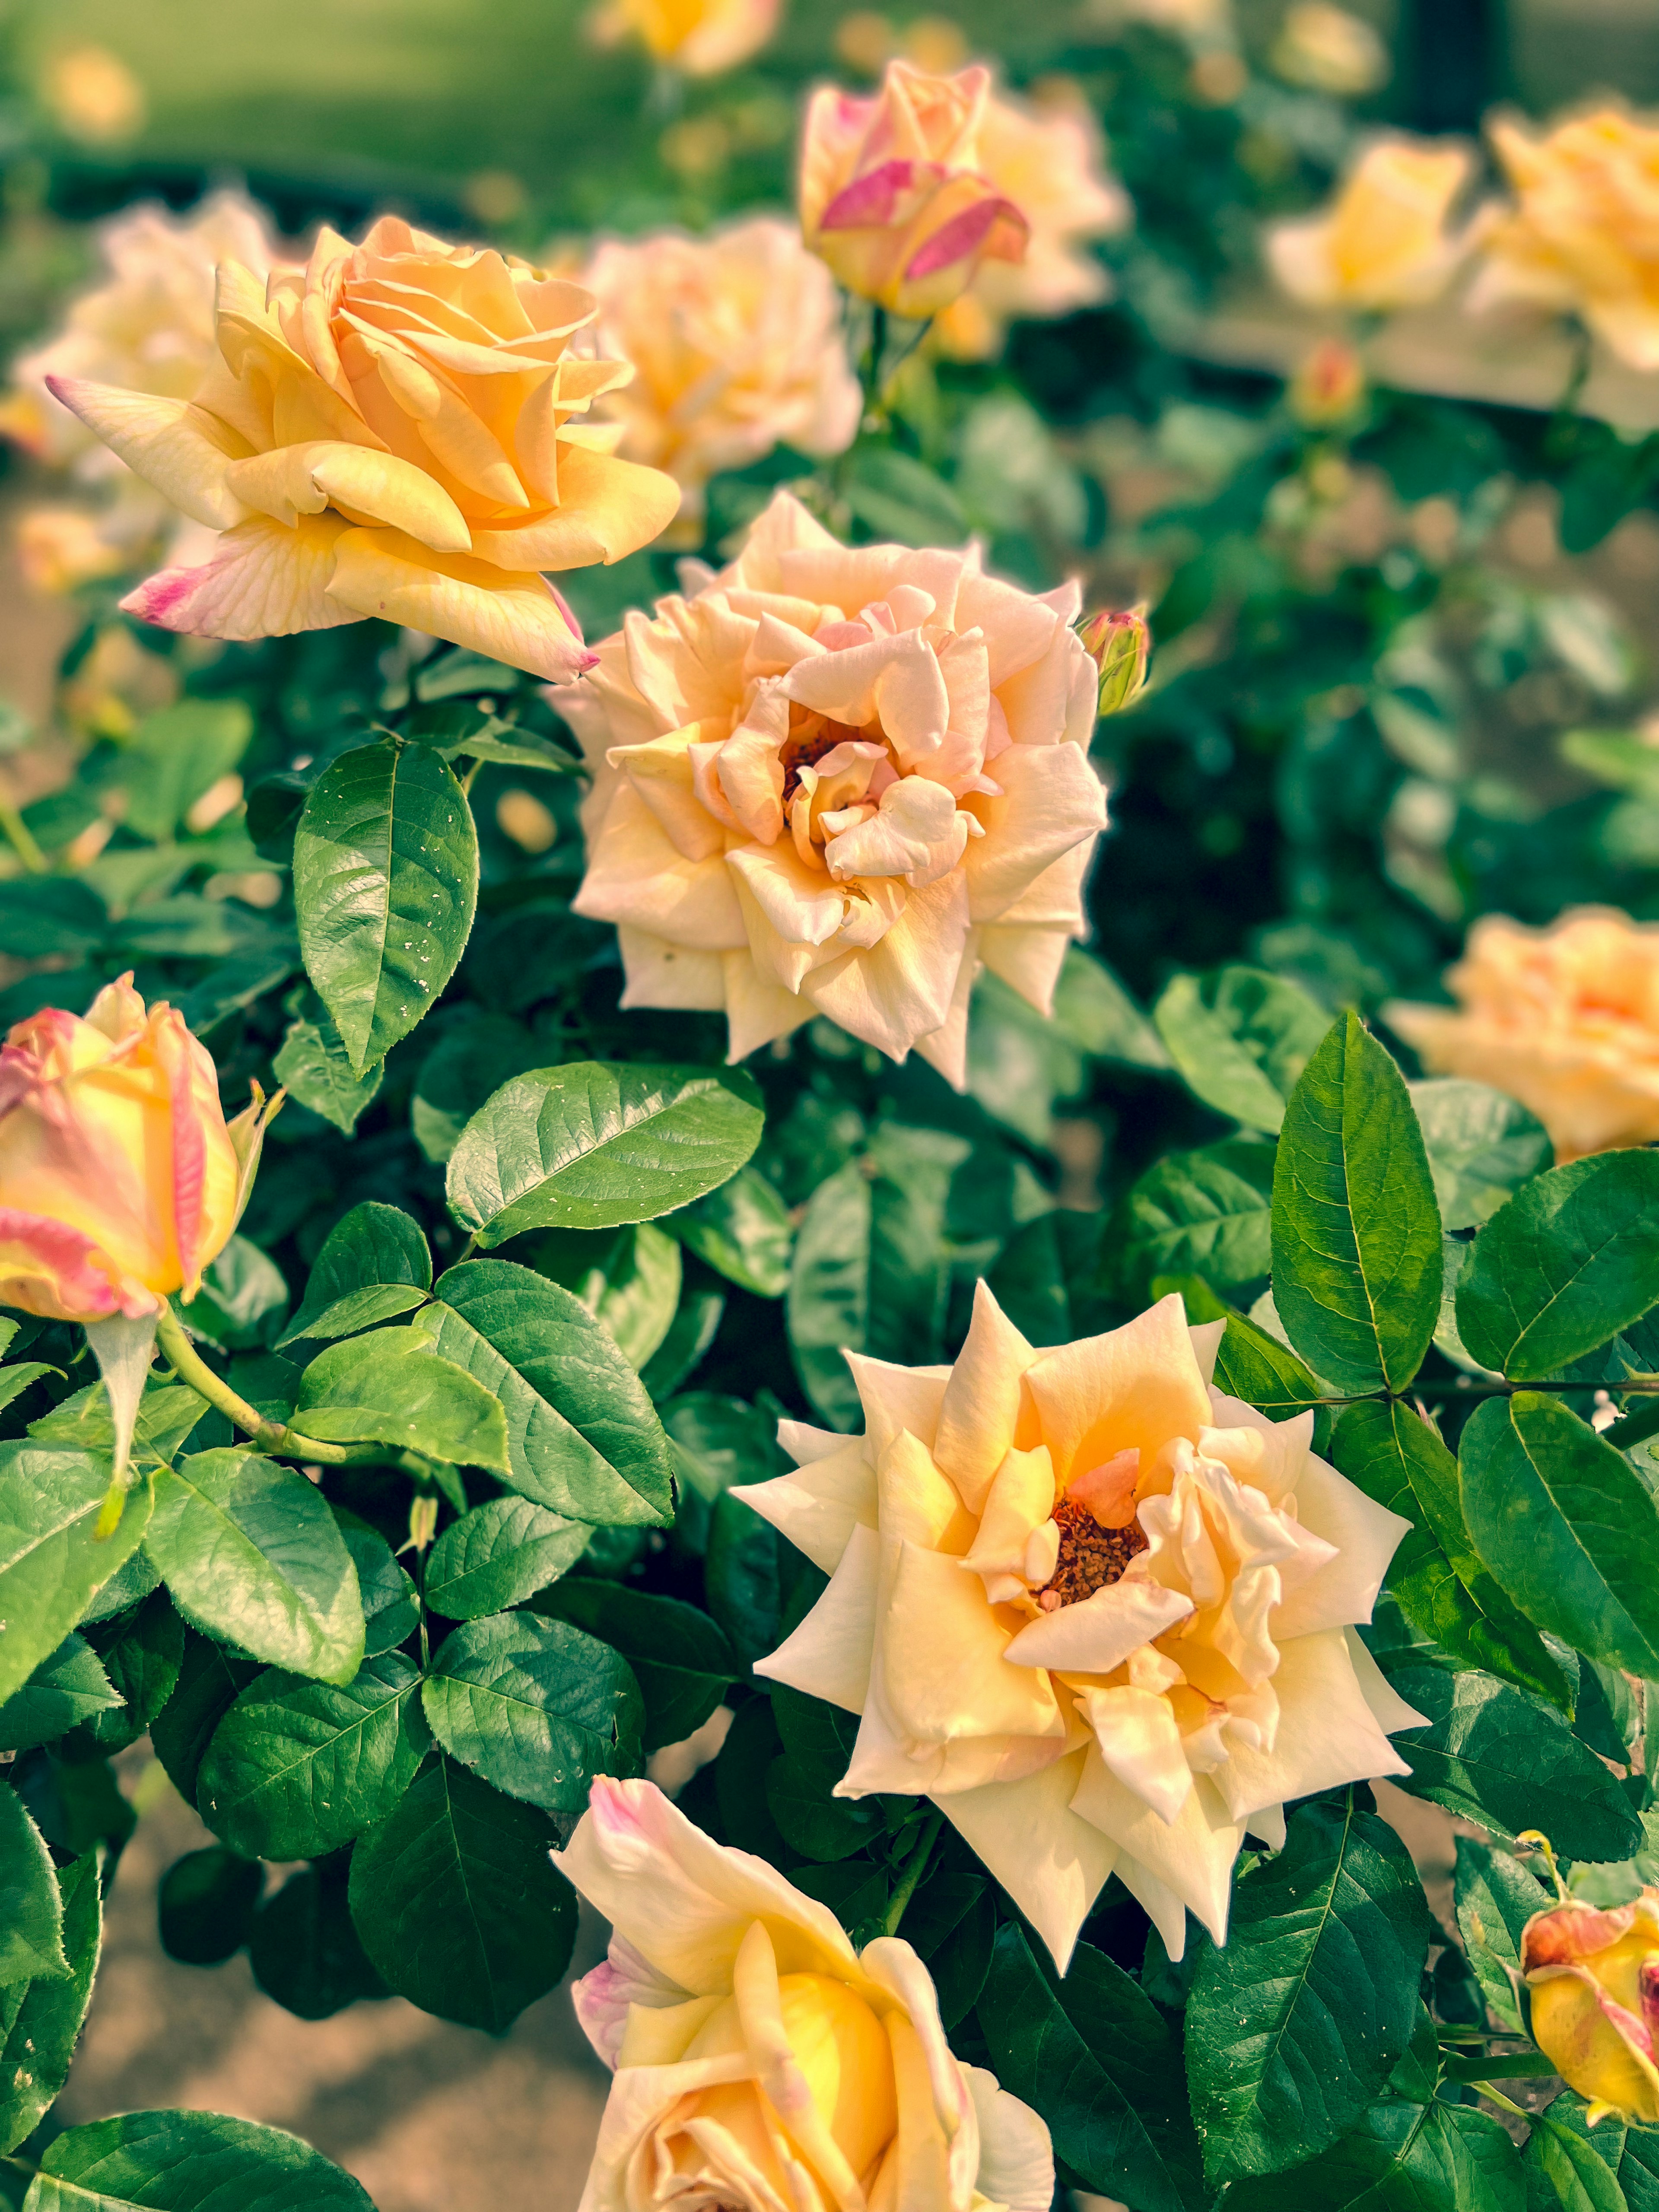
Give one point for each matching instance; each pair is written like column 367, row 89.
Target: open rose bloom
column 698, row 37
column 1099, row 1613
column 1583, row 233
column 120, row 1178
column 1593, row 1979
column 1383, row 241
column 392, row 430
column 737, row 347
column 1566, row 1019
column 763, row 2065
column 894, row 193
column 834, row 782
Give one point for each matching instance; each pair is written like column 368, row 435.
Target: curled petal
column 518, row 619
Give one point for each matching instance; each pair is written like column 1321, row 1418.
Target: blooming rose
column 119, row 1179
column 701, row 37
column 1594, row 1980
column 1046, row 160
column 1382, row 242
column 1566, row 1019
column 1098, row 1612
column 1329, row 50
column 835, row 781
column 737, row 348
column 1585, row 233
column 760, row 2062
column 388, row 431
column 894, row 191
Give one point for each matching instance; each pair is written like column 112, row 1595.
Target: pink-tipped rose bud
column 1120, row 645
column 1594, row 1979
column 893, row 193
column 120, row 1177
column 1328, row 388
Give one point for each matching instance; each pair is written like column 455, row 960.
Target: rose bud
column 1328, row 388
column 1593, row 1976
column 1120, row 646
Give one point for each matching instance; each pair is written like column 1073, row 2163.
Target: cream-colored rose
column 836, row 781
column 1049, row 162
column 1583, row 235
column 1329, row 50
column 391, row 430
column 701, row 37
column 760, row 2064
column 737, row 347
column 1382, row 242
column 1566, row 1019
column 1100, row 1613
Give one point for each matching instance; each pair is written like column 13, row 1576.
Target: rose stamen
column 1090, row 1558
column 806, row 747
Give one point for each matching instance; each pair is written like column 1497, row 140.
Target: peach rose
column 759, row 2060
column 1584, row 232
column 894, row 191
column 1566, row 1019
column 120, row 1178
column 835, row 781
column 737, row 347
column 1329, row 50
column 701, row 37
column 1593, row 1976
column 389, row 431
column 1382, row 242
column 1048, row 161
column 1098, row 1612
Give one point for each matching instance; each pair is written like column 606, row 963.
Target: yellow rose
column 389, row 431
column 119, row 1179
column 737, row 347
column 894, row 192
column 758, row 2059
column 1329, row 50
column 1593, row 1976
column 1566, row 1019
column 835, row 781
column 701, row 37
column 59, row 548
column 1382, row 242
column 1584, row 232
column 1099, row 1613
column 1047, row 161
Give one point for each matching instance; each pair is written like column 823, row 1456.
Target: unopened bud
column 423, row 1521
column 1329, row 386
column 1119, row 645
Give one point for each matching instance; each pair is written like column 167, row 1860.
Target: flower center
column 807, row 744
column 1090, row 1558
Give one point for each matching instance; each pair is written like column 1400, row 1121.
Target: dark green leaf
column 1099, row 1015
column 166, row 1414
column 47, row 917
column 897, row 498
column 746, row 1567
column 1251, row 1365
column 385, row 879
column 392, row 1610
column 1496, row 1898
column 67, row 1686
column 391, row 1388
column 693, row 1329
column 498, row 1555
column 209, row 1681
column 534, row 1706
column 1356, row 1235
column 1562, row 1267
column 743, row 1231
column 51, row 1562
column 1240, row 1038
column 1404, row 2156
column 31, row 1913
column 205, row 1905
column 1482, row 1146
column 313, row 1065
column 1573, row 2171
column 591, row 1146
column 682, row 1663
column 188, row 2162
column 40, row 2021
column 304, row 1950
column 241, row 1301
column 373, row 1264
column 1630, row 2154
column 472, row 1061
column 457, row 1903
column 627, row 1278
column 1203, row 1214
column 175, row 755
column 817, row 1749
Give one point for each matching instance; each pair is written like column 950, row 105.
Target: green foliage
column 1240, row 1039
column 535, row 1707
column 187, row 2162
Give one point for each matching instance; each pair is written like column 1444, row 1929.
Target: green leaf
column 391, row 1388
column 209, row 1681
column 1045, row 1277
column 498, row 1555
column 67, row 1686
column 748, row 1572
column 241, row 1301
column 205, row 1905
column 1098, row 1014
column 31, row 1910
column 817, row 1741
column 1442, row 1583
column 629, row 1278
column 1356, row 1235
column 681, row 1662
column 373, row 1264
column 1576, row 2176
column 51, row 1562
column 1566, row 1525
column 1240, row 1038
column 48, row 917
column 900, row 499
column 458, row 1905
column 716, row 1442
column 693, row 1329
column 1482, row 1146
column 1496, row 1898
column 1255, row 1367
column 743, row 1231
column 1630, row 2154
column 177, row 754
column 40, row 2021
column 1204, row 1213
column 16, row 1379
column 472, row 1061
column 296, row 1768
column 391, row 1609
column 1096, row 2058
column 313, row 1065
column 1561, row 1268
column 582, row 1436
column 591, row 1146
column 1511, row 1762
column 304, row 1949
column 1296, row 2023
column 385, row 880
column 250, row 1553
column 188, row 2162
column 1403, row 2156
column 166, row 1414
column 534, row 1706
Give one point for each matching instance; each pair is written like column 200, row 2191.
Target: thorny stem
column 910, row 1879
